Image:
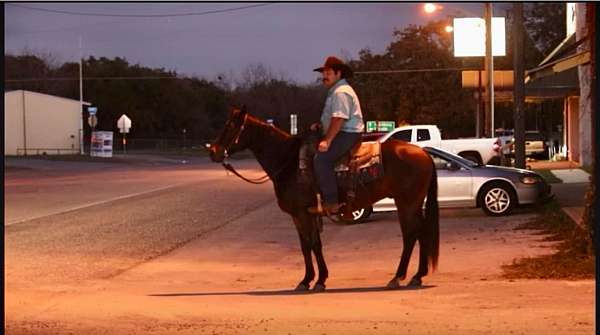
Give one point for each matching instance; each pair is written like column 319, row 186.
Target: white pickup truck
column 478, row 150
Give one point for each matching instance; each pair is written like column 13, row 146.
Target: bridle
column 230, row 168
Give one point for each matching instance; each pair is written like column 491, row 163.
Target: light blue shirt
column 342, row 102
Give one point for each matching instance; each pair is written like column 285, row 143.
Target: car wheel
column 497, row 199
column 358, row 215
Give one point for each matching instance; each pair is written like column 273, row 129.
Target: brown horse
column 409, row 178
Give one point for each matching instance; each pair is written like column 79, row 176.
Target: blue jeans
column 324, row 163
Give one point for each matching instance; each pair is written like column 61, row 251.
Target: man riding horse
column 341, row 127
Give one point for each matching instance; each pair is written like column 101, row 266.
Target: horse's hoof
column 301, row 288
column 415, row 282
column 319, row 287
column 394, row 284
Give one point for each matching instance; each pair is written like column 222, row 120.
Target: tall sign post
column 471, row 40
column 124, row 124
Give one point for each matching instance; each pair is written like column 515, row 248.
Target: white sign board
column 571, row 18
column 293, row 124
column 102, row 144
column 469, row 37
column 124, row 123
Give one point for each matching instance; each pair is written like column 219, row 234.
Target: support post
column 519, row 85
column 489, row 67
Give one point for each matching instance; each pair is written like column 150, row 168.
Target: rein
column 256, row 181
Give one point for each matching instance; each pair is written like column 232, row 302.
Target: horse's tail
column 432, row 220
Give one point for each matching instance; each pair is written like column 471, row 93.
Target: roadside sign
column 293, row 124
column 102, row 144
column 371, row 126
column 124, row 123
column 386, row 125
column 92, row 110
column 93, row 120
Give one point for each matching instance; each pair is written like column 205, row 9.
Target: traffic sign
column 124, row 123
column 371, row 126
column 93, row 120
column 386, row 125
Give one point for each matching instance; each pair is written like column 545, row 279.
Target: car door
column 454, row 185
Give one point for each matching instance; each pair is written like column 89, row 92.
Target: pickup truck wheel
column 358, row 216
column 497, row 199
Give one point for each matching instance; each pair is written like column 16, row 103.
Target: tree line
column 165, row 103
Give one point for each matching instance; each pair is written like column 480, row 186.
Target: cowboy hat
column 335, row 64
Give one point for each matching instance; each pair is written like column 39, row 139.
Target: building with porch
column 566, row 74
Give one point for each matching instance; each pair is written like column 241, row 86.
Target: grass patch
column 573, row 259
column 548, row 176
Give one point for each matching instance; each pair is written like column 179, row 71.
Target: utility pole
column 519, row 85
column 81, row 151
column 489, row 68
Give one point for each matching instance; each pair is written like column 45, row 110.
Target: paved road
column 215, row 255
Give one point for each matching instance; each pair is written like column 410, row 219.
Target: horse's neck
column 274, row 151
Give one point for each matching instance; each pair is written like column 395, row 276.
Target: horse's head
column 228, row 141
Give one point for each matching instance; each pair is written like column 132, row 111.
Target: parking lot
column 167, row 246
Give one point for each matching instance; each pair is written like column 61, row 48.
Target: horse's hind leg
column 409, row 225
column 424, row 248
column 423, row 262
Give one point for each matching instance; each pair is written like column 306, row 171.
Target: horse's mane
column 271, row 128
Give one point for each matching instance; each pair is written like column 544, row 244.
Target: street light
column 449, row 29
column 430, row 7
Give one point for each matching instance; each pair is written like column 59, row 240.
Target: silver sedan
column 462, row 183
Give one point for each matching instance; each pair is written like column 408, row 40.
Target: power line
column 89, row 78
column 216, row 11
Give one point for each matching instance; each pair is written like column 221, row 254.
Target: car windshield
column 457, row 158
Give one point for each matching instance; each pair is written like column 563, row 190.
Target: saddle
column 361, row 156
column 362, row 164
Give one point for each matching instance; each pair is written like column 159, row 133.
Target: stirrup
column 331, row 209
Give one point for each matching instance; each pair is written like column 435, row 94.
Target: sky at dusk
column 289, row 38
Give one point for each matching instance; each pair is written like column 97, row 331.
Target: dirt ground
column 238, row 279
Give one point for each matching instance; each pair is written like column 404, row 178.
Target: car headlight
column 530, row 179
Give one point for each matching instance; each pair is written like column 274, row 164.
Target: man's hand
column 324, row 146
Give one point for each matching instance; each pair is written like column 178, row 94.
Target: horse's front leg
column 318, row 250
column 305, row 244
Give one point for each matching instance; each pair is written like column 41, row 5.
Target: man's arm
column 334, row 128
